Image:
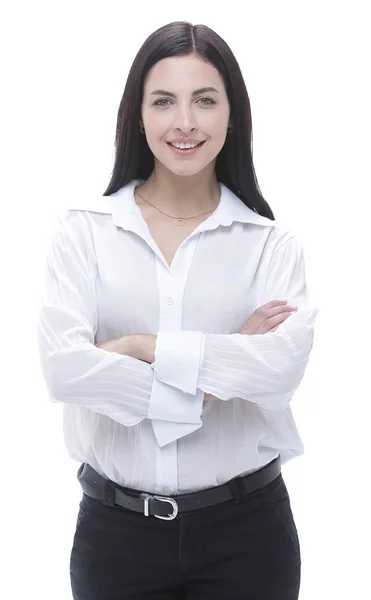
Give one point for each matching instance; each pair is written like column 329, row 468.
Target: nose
column 184, row 119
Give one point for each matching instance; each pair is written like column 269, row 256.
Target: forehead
column 179, row 73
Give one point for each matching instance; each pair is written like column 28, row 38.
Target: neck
column 179, row 195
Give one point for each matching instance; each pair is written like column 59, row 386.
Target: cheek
column 223, row 119
column 156, row 130
column 217, row 132
column 215, row 123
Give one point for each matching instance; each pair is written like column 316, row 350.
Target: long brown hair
column 234, row 163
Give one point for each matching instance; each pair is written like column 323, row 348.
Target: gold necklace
column 180, row 221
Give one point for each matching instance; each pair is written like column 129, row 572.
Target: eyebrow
column 195, row 93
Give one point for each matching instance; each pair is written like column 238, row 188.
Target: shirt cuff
column 169, row 404
column 177, row 359
column 165, row 433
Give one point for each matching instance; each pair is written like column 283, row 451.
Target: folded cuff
column 172, row 405
column 165, row 433
column 177, row 359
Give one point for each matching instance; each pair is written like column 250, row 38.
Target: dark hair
column 234, row 163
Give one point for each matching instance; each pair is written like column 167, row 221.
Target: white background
column 306, row 67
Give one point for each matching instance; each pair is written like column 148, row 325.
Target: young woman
column 175, row 327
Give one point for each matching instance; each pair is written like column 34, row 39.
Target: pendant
column 180, row 222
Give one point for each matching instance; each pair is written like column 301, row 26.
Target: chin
column 185, row 170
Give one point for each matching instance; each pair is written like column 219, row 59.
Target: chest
column 219, row 290
column 167, row 234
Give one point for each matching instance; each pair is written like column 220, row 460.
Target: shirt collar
column 123, row 208
column 230, row 208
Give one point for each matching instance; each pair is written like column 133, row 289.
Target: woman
column 175, row 327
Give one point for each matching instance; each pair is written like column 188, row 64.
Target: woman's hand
column 268, row 317
column 142, row 346
column 265, row 319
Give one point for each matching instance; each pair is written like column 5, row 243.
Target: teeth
column 184, row 146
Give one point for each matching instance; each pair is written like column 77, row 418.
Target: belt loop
column 237, row 488
column 109, row 493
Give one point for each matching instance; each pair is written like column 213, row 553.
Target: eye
column 160, row 102
column 206, row 101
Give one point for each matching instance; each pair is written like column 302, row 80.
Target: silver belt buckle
column 148, row 497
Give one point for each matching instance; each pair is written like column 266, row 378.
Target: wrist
column 127, row 345
column 140, row 346
column 131, row 346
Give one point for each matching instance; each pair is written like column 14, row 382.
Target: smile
column 185, row 149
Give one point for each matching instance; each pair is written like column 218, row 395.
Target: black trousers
column 246, row 549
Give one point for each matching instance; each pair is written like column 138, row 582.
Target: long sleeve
column 264, row 369
column 75, row 370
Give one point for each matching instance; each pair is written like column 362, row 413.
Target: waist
column 168, row 508
column 222, row 449
column 196, row 477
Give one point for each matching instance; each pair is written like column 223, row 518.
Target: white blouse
column 146, row 426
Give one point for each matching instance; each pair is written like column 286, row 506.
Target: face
column 177, row 109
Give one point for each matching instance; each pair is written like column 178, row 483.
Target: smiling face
column 185, row 101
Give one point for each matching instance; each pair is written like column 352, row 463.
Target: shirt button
column 170, row 300
column 166, row 491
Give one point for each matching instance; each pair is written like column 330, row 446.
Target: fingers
column 283, row 310
column 273, row 303
column 278, row 320
column 267, row 317
column 271, row 309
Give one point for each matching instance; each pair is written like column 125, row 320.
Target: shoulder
column 280, row 234
column 76, row 209
column 83, row 207
column 79, row 213
column 233, row 209
column 285, row 244
column 73, row 220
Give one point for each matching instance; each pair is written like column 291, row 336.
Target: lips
column 185, row 151
column 185, row 141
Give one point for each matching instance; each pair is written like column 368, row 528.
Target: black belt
column 164, row 507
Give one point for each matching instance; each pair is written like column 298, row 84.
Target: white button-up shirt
column 146, row 426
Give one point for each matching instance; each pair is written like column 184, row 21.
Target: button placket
column 171, row 284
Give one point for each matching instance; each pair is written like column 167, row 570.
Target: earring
column 230, row 129
column 141, row 127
